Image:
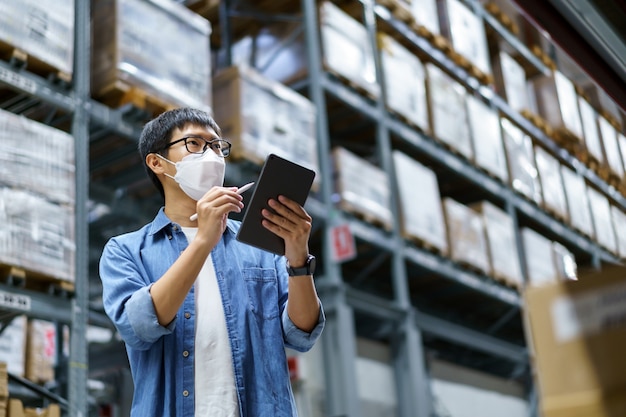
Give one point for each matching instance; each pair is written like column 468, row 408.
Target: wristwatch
column 307, row 269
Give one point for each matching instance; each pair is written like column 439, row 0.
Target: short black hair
column 157, row 133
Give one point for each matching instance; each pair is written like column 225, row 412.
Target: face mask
column 198, row 173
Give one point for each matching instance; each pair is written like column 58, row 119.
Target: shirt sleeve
column 298, row 339
column 127, row 300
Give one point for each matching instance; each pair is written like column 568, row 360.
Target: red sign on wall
column 342, row 239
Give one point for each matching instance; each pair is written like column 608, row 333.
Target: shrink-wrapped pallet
column 363, row 188
column 448, row 117
column 601, row 214
column 511, row 84
column 577, row 201
column 425, row 14
column 467, row 34
column 466, row 235
column 405, row 81
column 618, row 218
column 37, row 235
column 539, row 258
column 421, row 213
column 549, row 170
column 593, row 142
column 484, row 124
column 261, row 116
column 557, row 103
column 37, row 158
column 158, row 47
column 523, row 174
column 13, row 345
column 564, row 262
column 504, row 258
column 611, row 148
column 43, row 29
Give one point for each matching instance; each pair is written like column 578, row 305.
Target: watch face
column 311, row 261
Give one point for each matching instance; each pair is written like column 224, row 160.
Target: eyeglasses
column 198, row 144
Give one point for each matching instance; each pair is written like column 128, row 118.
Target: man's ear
column 155, row 163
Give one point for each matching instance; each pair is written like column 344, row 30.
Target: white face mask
column 198, row 173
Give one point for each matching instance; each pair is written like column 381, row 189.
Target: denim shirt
column 253, row 285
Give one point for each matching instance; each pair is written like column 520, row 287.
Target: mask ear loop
column 167, row 160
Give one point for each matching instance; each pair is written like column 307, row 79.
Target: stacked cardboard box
column 577, row 201
column 13, row 345
column 538, row 253
column 486, row 136
column 602, row 222
column 523, row 175
column 577, row 332
column 43, row 29
column 618, row 218
column 612, row 153
column 421, row 213
column 156, row 46
column 503, row 253
column 261, row 116
column 565, row 262
column 41, row 351
column 557, row 103
column 466, row 235
column 553, row 194
column 404, row 78
column 363, row 188
column 593, row 142
column 448, row 114
column 511, row 83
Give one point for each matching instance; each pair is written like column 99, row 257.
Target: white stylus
column 241, row 190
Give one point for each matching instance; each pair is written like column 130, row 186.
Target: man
column 206, row 318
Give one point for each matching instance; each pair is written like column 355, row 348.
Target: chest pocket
column 262, row 286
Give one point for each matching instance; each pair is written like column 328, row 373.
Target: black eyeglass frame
column 225, row 152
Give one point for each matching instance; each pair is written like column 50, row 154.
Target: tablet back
column 278, row 177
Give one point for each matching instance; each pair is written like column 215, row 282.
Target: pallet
column 423, row 244
column 351, row 84
column 543, row 57
column 399, row 10
column 504, row 19
column 470, row 267
column 441, row 43
column 538, row 122
column 590, row 161
column 33, row 280
column 120, row 93
column 553, row 213
column 608, row 176
column 567, row 140
column 365, row 217
column 507, row 282
column 21, row 59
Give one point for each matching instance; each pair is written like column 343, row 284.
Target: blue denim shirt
column 253, row 284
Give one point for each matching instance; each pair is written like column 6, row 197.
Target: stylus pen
column 241, row 190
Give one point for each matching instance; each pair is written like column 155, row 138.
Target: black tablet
column 278, row 177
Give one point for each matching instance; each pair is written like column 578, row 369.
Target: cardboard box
column 612, row 153
column 619, row 223
column 421, row 213
column 504, row 260
column 539, row 258
column 577, row 201
column 466, row 235
column 41, row 351
column 486, row 134
column 37, row 158
column 15, row 408
column 523, row 175
column 564, row 262
column 43, row 29
column 557, row 102
column 589, row 119
column 577, row 330
column 448, row 115
column 553, row 194
column 511, row 84
column 602, row 223
column 262, row 116
column 363, row 187
column 425, row 14
column 158, row 46
column 405, row 81
column 466, row 31
column 13, row 345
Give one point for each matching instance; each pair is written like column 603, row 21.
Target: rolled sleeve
column 143, row 319
column 298, row 339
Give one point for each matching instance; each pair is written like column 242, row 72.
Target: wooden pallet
column 543, row 57
column 351, row 84
column 567, row 140
column 553, row 213
column 609, row 176
column 363, row 216
column 120, row 93
column 21, row 59
column 588, row 159
column 423, row 244
column 507, row 282
column 538, row 122
column 33, row 280
column 504, row 19
column 399, row 9
column 470, row 267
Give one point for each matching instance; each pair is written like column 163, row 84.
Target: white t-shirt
column 215, row 390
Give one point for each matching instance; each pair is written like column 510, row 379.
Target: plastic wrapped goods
column 158, row 46
column 487, row 138
column 363, row 188
column 37, row 158
column 612, row 152
column 466, row 235
column 557, row 102
column 43, row 29
column 539, row 258
column 511, row 83
column 261, row 116
column 577, row 201
column 619, row 224
column 589, row 119
column 523, row 173
column 601, row 214
column 37, row 235
column 405, row 81
column 549, row 170
column 564, row 262
column 421, row 211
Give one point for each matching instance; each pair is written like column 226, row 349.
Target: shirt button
column 185, row 353
column 169, row 237
column 187, row 315
column 185, row 393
